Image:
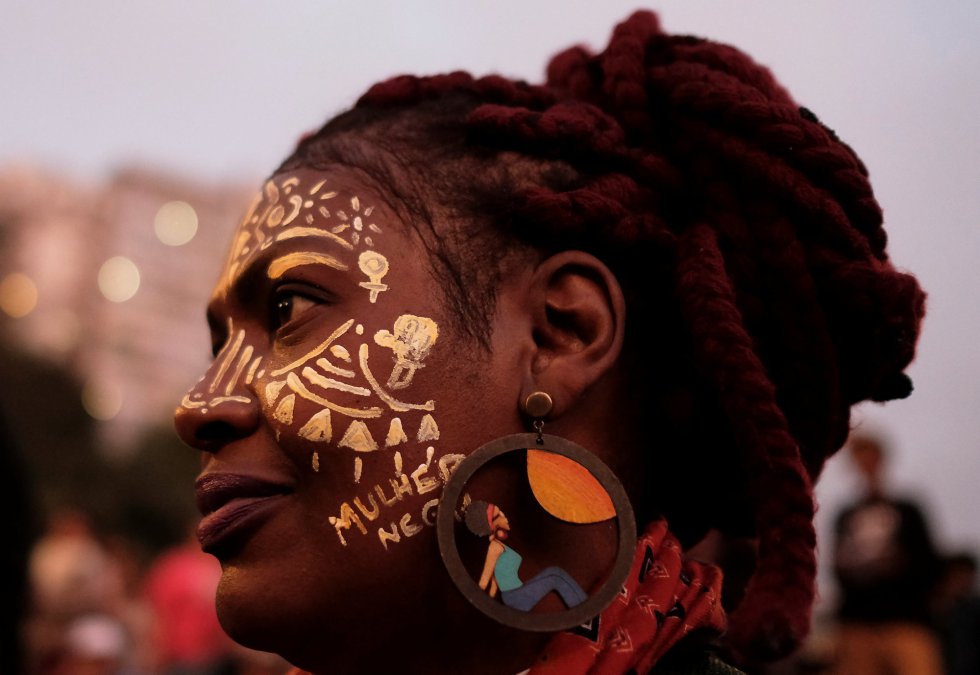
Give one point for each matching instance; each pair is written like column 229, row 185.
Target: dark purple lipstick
column 233, row 507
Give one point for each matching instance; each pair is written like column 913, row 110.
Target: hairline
column 389, row 183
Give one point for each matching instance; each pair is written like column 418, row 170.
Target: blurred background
column 131, row 135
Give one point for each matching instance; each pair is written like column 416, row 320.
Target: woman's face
column 339, row 402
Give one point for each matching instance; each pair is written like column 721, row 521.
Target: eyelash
column 275, row 320
column 283, row 303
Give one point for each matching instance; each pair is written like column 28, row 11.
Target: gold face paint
column 392, row 402
column 298, row 387
column 375, row 503
column 284, row 411
column 226, row 361
column 208, row 393
column 396, row 434
column 329, row 383
column 318, row 429
column 428, row 430
column 358, row 438
column 330, row 368
column 411, row 342
column 280, row 266
column 375, row 266
column 316, row 352
column 284, row 210
column 250, row 375
column 325, row 395
column 314, row 232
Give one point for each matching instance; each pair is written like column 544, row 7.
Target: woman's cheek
column 344, row 412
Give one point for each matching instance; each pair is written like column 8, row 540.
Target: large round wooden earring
column 571, row 485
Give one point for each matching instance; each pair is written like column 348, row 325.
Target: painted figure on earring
column 502, row 564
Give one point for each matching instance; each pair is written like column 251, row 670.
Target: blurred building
column 110, row 281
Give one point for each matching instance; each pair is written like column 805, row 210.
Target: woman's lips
column 233, row 507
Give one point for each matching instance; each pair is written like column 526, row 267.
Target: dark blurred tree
column 56, row 437
column 19, row 535
column 146, row 497
column 155, row 491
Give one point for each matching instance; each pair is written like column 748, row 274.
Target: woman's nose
column 223, row 406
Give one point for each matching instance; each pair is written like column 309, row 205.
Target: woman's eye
column 290, row 306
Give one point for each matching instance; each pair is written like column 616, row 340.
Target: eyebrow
column 252, row 264
column 283, row 264
column 314, row 232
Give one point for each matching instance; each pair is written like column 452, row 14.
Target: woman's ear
column 578, row 318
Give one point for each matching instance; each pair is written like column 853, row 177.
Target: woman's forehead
column 291, row 203
column 329, row 212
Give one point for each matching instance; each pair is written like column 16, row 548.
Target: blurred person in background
column 127, row 602
column 957, row 611
column 180, row 587
column 71, row 572
column 71, row 575
column 93, row 644
column 886, row 566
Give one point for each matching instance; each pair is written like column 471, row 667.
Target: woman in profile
column 688, row 263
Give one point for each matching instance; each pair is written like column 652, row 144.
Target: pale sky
column 221, row 89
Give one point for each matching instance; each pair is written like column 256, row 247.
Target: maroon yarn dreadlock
column 746, row 237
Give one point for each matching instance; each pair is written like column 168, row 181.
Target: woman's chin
column 263, row 615
column 268, row 605
column 248, row 618
column 269, row 620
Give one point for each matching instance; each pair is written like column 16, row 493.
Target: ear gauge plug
column 538, row 405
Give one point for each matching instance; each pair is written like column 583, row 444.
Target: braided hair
column 745, row 235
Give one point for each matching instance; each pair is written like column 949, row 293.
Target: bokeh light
column 101, row 400
column 119, row 279
column 175, row 223
column 18, row 295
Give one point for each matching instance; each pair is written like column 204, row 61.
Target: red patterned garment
column 665, row 598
